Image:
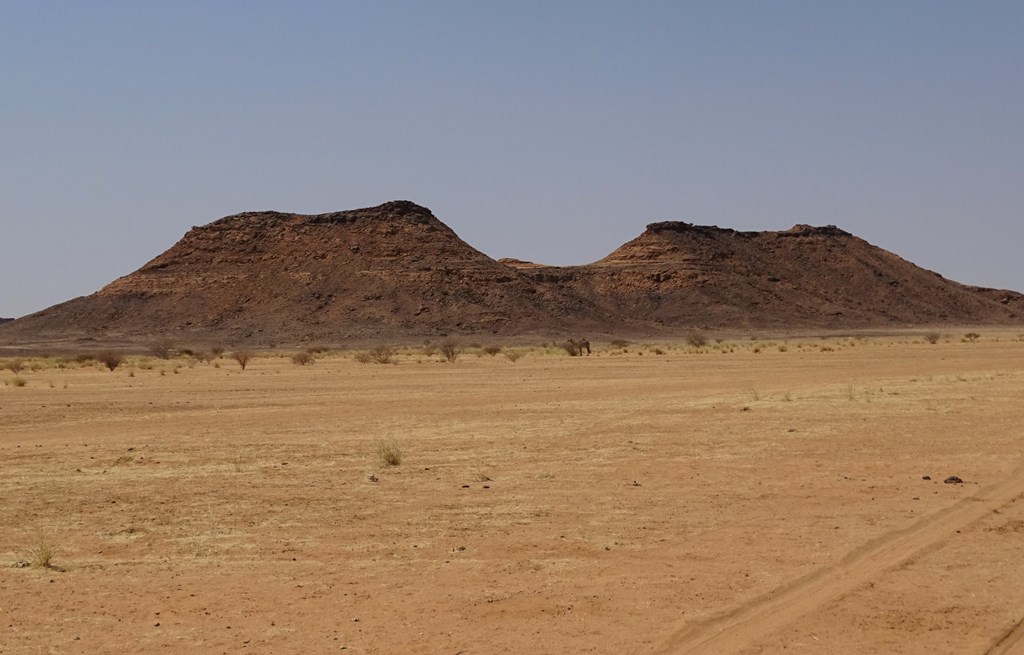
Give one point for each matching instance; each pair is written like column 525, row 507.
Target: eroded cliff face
column 396, row 271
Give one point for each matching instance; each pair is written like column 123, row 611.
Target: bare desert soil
column 727, row 501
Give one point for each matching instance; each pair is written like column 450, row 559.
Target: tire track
column 1011, row 642
column 729, row 631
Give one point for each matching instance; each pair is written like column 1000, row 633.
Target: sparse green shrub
column 932, row 337
column 14, row 365
column 111, row 359
column 450, row 351
column 240, row 356
column 388, row 451
column 303, row 358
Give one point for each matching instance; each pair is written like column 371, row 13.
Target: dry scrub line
column 739, row 627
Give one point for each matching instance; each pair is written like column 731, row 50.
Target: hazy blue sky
column 549, row 131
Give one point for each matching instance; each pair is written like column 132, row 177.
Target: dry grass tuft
column 388, row 451
column 41, row 552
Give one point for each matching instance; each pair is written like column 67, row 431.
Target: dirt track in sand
column 739, row 502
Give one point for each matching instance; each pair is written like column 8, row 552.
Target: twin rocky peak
column 396, row 271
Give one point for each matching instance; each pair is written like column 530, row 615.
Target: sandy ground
column 724, row 502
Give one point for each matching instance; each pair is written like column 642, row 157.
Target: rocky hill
column 269, row 277
column 396, row 272
column 677, row 274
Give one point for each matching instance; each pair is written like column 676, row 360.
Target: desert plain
column 748, row 496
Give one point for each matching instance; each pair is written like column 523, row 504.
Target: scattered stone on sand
column 953, row 479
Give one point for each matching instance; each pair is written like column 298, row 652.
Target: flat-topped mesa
column 395, row 211
column 799, row 230
column 689, row 228
column 803, row 230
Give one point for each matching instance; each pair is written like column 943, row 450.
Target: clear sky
column 549, row 131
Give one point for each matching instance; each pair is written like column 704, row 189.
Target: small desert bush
column 513, row 355
column 18, row 381
column 972, row 337
column 14, row 365
column 388, row 451
column 382, row 354
column 492, row 350
column 696, row 339
column 303, row 358
column 203, row 356
column 240, row 356
column 216, row 351
column 161, row 348
column 110, row 359
column 932, row 337
column 618, row 343
column 362, row 357
column 450, row 351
